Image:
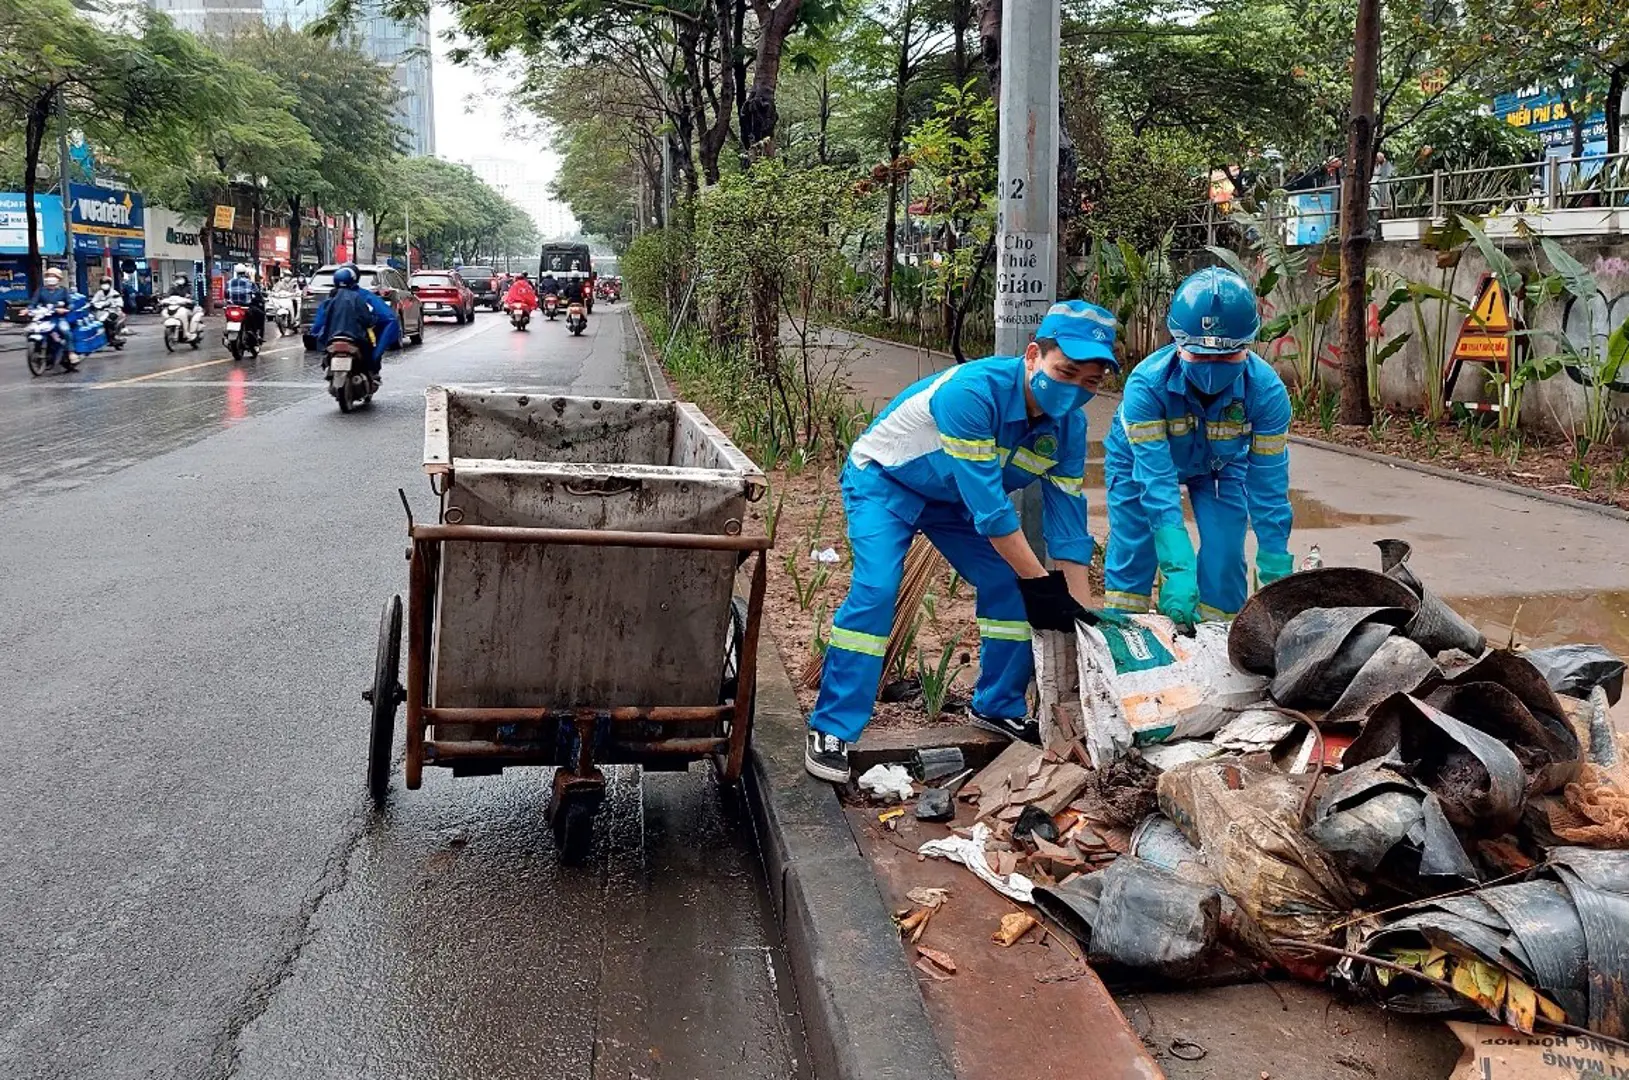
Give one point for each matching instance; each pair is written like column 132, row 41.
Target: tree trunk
column 712, row 140
column 206, row 241
column 825, row 115
column 1354, row 406
column 39, row 115
column 1614, row 109
column 961, row 20
column 896, row 142
column 990, row 45
column 758, row 115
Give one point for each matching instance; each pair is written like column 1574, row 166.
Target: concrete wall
column 1554, row 405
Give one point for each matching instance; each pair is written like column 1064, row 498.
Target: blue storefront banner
column 1544, row 113
column 107, row 218
column 1314, row 218
column 14, row 224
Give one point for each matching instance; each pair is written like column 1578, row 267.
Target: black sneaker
column 826, row 757
column 1025, row 729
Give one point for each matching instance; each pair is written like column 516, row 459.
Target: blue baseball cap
column 1085, row 332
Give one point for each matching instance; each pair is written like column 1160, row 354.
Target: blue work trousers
column 1220, row 511
column 882, row 521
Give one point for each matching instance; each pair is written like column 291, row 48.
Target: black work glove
column 1047, row 603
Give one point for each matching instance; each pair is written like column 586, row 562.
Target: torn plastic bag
column 1320, row 651
column 1597, row 882
column 1158, row 841
column 1575, row 670
column 1254, row 632
column 1506, row 696
column 1255, row 730
column 1246, row 821
column 1135, row 914
column 1477, row 778
column 1398, row 665
column 1437, row 627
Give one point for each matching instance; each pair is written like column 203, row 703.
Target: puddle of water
column 1591, row 618
column 1311, row 513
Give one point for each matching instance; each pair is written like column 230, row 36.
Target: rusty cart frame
column 579, row 738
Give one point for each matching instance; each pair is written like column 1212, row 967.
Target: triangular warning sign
column 1492, row 312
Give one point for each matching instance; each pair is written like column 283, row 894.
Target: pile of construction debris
column 1345, row 782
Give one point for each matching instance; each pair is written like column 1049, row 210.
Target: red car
column 444, row 292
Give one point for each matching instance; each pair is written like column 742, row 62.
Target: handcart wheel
column 573, row 826
column 735, row 641
column 384, row 695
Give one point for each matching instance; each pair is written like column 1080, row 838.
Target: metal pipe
column 628, row 714
column 510, row 534
column 418, row 662
column 438, row 751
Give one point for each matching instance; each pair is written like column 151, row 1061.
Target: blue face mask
column 1212, row 378
column 1057, row 399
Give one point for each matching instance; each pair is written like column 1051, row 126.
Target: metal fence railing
column 1562, row 183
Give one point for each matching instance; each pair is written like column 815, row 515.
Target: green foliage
column 656, row 268
column 1136, row 286
column 1457, row 134
column 1598, row 364
column 937, row 680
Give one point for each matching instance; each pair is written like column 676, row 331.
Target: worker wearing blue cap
column 1207, row 415
column 941, row 460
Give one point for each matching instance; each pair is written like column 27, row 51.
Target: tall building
column 525, row 186
column 403, row 47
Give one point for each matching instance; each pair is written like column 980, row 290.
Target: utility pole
column 1355, row 237
column 667, row 177
column 62, row 173
column 407, row 236
column 1027, row 196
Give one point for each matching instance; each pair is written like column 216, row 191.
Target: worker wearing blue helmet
column 1206, row 414
column 941, row 460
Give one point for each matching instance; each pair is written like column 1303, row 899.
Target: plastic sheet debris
column 1576, row 670
column 970, row 852
column 1247, row 823
column 1476, row 778
column 1563, row 937
column 1376, row 821
column 1505, row 696
column 1254, row 730
column 1144, row 683
column 1167, row 756
column 1140, row 915
column 936, row 763
column 1436, row 626
column 1254, row 632
column 1157, row 841
column 890, row 782
column 1320, row 651
column 935, row 804
column 1398, row 664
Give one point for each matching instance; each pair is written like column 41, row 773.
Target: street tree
column 136, row 92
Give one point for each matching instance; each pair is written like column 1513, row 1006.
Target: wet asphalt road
column 194, row 884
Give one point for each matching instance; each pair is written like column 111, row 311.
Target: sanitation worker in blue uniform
column 1207, row 415
column 941, row 460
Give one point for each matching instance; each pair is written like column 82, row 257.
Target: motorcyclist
column 53, row 294
column 182, row 288
column 109, row 306
column 243, row 290
column 548, row 284
column 521, row 293
column 354, row 314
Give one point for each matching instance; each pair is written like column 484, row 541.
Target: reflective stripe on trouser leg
column 1220, row 511
column 1006, row 662
column 859, row 636
column 1129, row 560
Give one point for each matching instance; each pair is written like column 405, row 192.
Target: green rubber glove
column 1179, row 584
column 1273, row 565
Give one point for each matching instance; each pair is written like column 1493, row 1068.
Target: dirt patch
column 1544, row 463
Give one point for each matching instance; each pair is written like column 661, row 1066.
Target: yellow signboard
column 1482, row 348
column 225, row 216
column 1492, row 312
column 1485, row 333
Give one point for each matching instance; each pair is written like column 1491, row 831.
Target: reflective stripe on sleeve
column 1268, row 445
column 969, row 449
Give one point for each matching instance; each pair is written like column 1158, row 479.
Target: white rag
column 970, row 853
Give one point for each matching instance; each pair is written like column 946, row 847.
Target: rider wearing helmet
column 1207, row 414
column 357, row 315
column 244, row 291
column 53, row 294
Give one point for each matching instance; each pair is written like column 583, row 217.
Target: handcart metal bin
column 574, row 604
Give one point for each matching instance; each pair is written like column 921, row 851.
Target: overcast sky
column 469, row 111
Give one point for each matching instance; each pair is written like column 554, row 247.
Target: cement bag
column 1144, row 683
column 1247, row 824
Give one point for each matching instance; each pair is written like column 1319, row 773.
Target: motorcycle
column 238, row 338
column 44, row 352
column 281, row 309
column 349, row 385
column 519, row 316
column 183, row 323
column 551, row 306
column 576, row 318
column 114, row 325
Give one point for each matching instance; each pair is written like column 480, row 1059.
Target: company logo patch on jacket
column 1047, row 446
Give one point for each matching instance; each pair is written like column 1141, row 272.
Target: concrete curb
column 1465, row 478
column 862, row 1011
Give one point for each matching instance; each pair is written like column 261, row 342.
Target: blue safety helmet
column 1084, row 332
column 345, row 276
column 1214, row 312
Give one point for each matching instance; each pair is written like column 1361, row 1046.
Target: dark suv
column 387, row 281
column 483, row 282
